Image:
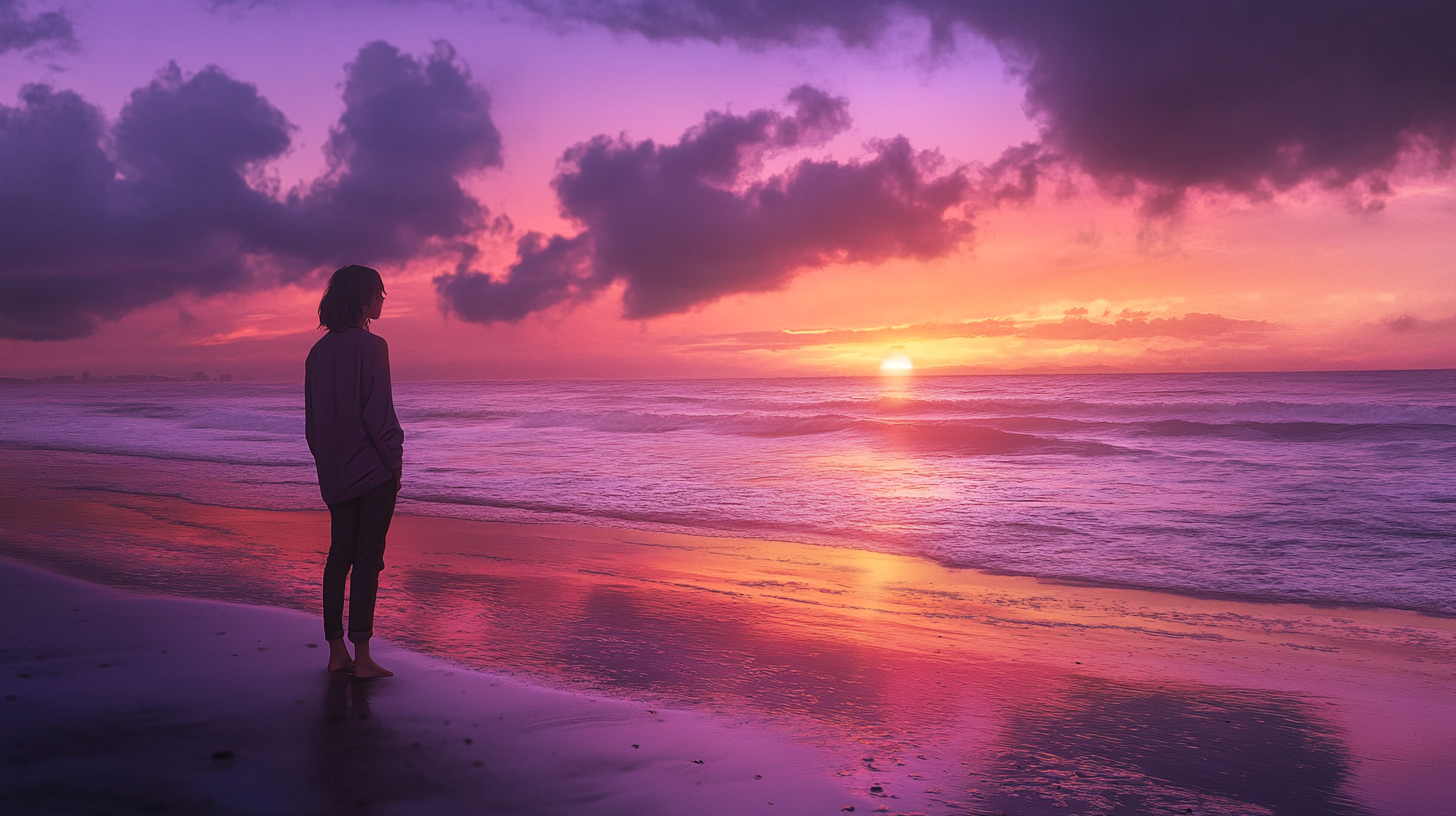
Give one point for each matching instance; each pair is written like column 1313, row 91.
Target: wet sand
column 116, row 702
column 905, row 685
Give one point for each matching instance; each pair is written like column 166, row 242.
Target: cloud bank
column 1158, row 98
column 99, row 220
column 19, row 33
column 685, row 224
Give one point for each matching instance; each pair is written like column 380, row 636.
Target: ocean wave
column 1317, row 487
column 144, row 410
column 1299, row 431
column 1200, row 586
column 696, row 521
column 609, row 421
column 944, row 437
column 1112, row 411
column 432, row 412
column 771, row 426
column 970, row 439
column 163, row 455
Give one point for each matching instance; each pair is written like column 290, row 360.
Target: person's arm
column 308, row 428
column 380, row 421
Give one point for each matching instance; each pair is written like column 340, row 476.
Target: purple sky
column 602, row 189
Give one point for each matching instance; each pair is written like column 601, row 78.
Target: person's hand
column 398, row 474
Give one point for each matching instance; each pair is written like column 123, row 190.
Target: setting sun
column 897, row 364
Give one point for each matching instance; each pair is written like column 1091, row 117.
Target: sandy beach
column 117, row 702
column 843, row 678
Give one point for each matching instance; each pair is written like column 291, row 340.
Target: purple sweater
column 349, row 419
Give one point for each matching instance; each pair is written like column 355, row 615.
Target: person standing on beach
column 358, row 449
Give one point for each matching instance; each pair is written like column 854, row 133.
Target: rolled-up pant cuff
column 360, row 637
column 332, row 634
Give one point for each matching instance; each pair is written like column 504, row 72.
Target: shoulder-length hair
column 350, row 291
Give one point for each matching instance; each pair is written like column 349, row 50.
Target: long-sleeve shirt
column 350, row 424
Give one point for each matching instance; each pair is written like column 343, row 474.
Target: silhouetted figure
column 358, row 448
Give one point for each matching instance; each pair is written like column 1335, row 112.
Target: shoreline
column 8, row 487
column 123, row 701
column 952, row 690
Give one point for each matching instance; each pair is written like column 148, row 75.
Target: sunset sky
column 705, row 189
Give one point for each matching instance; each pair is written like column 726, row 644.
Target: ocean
column 1327, row 488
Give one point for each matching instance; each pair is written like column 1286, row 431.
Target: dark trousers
column 356, row 545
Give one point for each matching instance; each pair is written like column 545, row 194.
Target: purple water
column 1320, row 487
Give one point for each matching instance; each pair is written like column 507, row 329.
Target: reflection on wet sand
column 349, row 739
column 366, row 759
column 940, row 690
column 1120, row 747
column 1065, row 743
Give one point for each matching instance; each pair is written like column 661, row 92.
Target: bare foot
column 339, row 659
column 365, row 666
column 368, row 668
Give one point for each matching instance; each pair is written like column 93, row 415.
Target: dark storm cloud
column 18, row 32
column 91, row 234
column 1073, row 326
column 409, row 130
column 1153, row 97
column 686, row 224
column 549, row 271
